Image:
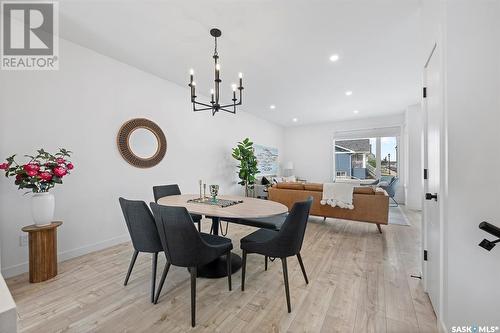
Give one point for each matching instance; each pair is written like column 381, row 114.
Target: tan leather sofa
column 369, row 205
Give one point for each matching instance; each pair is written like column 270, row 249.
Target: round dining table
column 245, row 208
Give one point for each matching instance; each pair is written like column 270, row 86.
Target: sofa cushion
column 290, row 186
column 313, row 187
column 364, row 190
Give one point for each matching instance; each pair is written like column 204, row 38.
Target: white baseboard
column 442, row 326
column 69, row 254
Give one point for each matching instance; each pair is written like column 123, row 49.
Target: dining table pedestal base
column 218, row 268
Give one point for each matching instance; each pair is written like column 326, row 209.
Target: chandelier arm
column 202, row 109
column 228, row 105
column 222, row 109
column 232, row 104
column 203, row 104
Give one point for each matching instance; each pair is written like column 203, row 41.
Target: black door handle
column 430, row 196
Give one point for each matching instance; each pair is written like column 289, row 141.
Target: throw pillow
column 264, row 181
column 277, row 180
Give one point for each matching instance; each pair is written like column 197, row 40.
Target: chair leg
column 131, row 265
column 193, row 296
column 394, row 200
column 265, row 265
column 379, row 228
column 324, row 218
column 162, row 281
column 302, row 268
column 243, row 269
column 229, row 270
column 153, row 276
column 287, row 287
column 199, row 226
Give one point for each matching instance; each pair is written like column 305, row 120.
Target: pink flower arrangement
column 42, row 172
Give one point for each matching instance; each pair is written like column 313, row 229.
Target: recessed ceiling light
column 356, row 111
column 348, row 93
column 334, row 57
column 272, row 106
column 295, row 120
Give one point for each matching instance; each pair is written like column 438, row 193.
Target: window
column 389, row 156
column 341, row 174
column 355, row 159
column 366, row 158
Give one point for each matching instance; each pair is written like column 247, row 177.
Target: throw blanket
column 338, row 195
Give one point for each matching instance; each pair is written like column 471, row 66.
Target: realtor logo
column 29, row 35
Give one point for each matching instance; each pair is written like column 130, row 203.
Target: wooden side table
column 43, row 251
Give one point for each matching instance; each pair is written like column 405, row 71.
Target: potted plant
column 244, row 153
column 40, row 174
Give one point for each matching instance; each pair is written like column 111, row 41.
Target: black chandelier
column 215, row 105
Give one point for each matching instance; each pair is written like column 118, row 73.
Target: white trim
column 441, row 326
column 63, row 256
column 368, row 133
column 347, row 150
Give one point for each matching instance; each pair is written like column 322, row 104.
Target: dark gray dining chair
column 185, row 247
column 161, row 191
column 282, row 244
column 142, row 229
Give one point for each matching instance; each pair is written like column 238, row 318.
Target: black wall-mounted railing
column 491, row 229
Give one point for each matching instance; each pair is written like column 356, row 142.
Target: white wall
column 310, row 147
column 469, row 34
column 81, row 107
column 414, row 156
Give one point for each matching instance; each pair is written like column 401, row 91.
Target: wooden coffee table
column 248, row 208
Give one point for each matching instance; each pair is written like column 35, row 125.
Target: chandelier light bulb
column 194, row 83
column 233, row 86
column 211, row 91
column 240, row 75
column 191, row 71
column 217, row 67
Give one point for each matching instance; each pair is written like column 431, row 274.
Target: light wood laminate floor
column 359, row 282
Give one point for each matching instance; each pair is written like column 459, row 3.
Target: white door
column 433, row 162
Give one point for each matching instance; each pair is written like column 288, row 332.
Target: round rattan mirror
column 141, row 143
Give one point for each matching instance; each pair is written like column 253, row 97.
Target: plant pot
column 42, row 208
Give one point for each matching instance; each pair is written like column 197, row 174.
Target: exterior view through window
column 357, row 158
column 389, row 156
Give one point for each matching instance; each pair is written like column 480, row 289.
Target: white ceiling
column 281, row 46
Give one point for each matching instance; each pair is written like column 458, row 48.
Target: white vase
column 42, row 208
